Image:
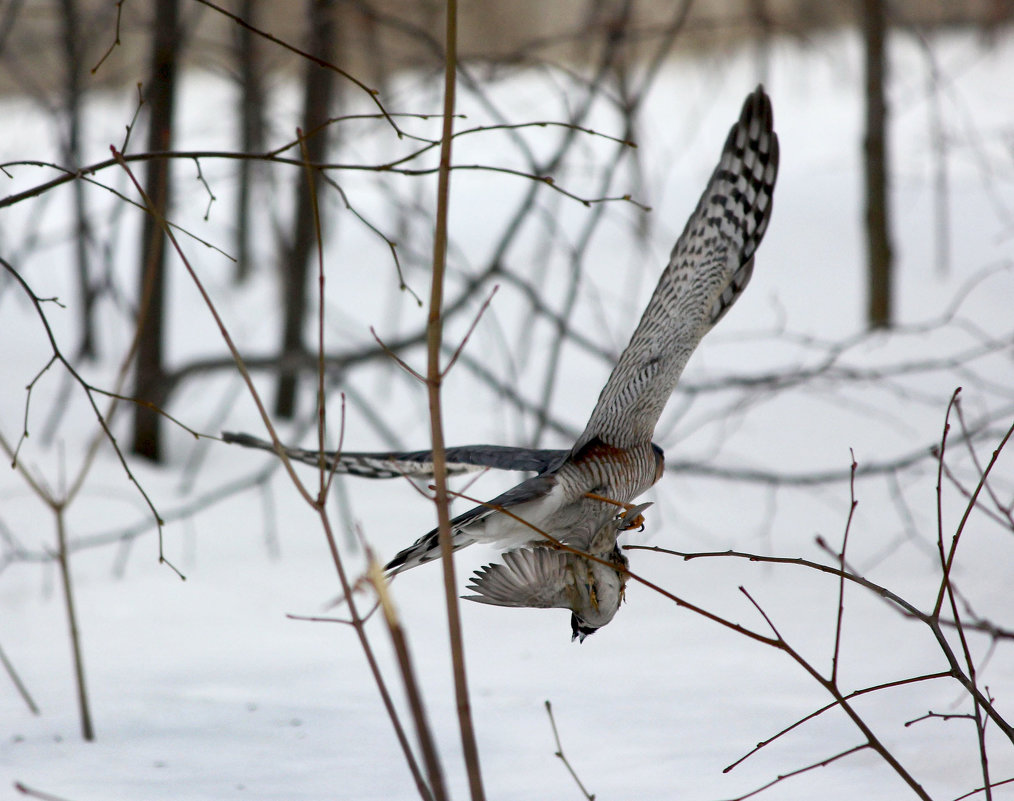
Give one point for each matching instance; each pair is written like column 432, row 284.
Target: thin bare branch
column 468, row 333
column 18, row 684
column 89, row 391
column 434, row 374
column 841, row 564
column 563, row 758
column 821, row 764
column 431, row 758
column 373, row 93
column 38, row 794
column 978, row 790
column 817, row 712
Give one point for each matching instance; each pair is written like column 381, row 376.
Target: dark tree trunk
column 879, row 257
column 159, row 96
column 251, row 130
column 295, row 258
column 71, row 34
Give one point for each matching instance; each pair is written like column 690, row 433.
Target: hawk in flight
column 582, row 497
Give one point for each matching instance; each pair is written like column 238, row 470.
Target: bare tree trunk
column 295, row 260
column 879, row 256
column 159, row 97
column 941, row 180
column 251, row 131
column 72, row 157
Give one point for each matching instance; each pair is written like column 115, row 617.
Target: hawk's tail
column 425, row 549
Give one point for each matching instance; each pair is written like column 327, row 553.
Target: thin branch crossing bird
column 583, row 496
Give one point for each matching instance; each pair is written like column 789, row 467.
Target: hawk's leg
column 637, row 522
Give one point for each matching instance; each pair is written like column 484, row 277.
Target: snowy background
column 205, row 689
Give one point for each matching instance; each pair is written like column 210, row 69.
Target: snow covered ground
column 205, row 689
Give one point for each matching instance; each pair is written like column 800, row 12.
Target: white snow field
column 206, row 689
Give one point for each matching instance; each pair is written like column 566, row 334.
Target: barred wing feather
column 710, row 265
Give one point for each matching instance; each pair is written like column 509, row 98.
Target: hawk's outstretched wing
column 708, row 269
column 416, row 464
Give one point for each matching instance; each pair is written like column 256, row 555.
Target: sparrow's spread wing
column 532, row 577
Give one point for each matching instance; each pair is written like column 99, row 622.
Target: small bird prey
column 543, row 577
column 582, row 497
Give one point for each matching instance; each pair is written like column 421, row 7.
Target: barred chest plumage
column 620, row 474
